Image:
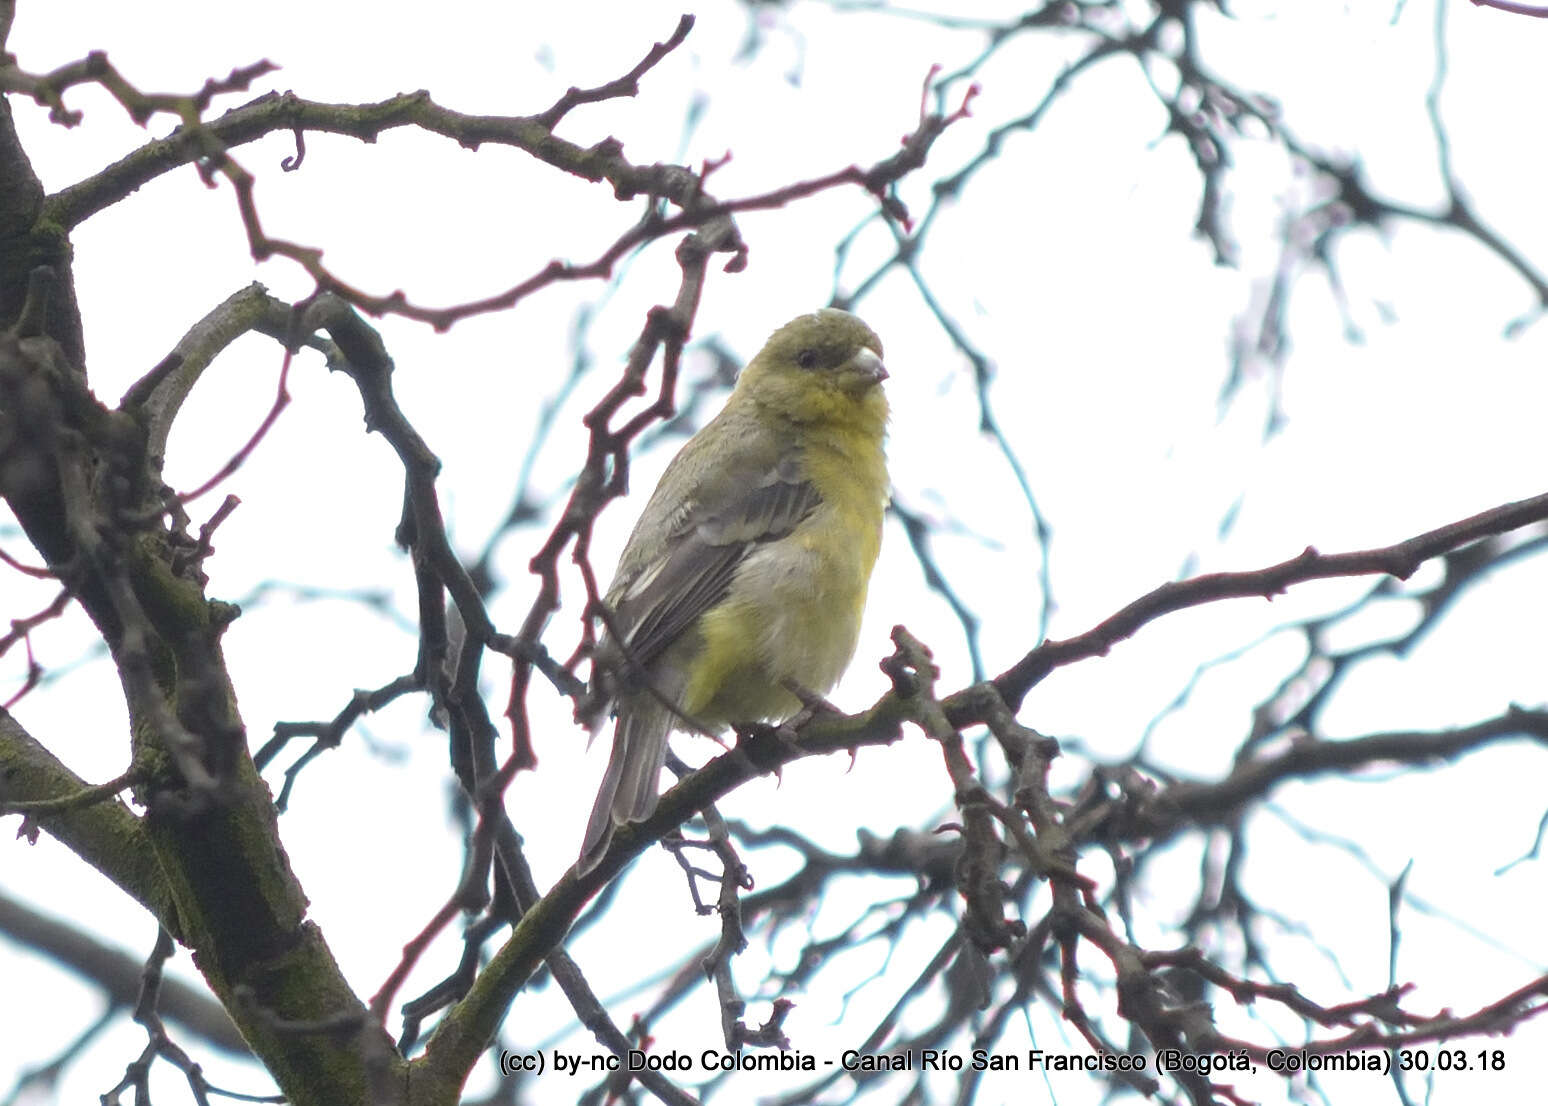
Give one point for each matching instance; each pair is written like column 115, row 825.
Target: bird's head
column 822, row 367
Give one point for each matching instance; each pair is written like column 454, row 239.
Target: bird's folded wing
column 721, row 525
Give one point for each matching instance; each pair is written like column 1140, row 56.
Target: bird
column 746, row 574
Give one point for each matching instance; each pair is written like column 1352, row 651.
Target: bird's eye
column 807, row 359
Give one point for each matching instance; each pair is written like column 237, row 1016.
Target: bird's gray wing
column 731, row 516
column 656, row 601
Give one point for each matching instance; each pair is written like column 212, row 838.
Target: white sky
column 1070, row 262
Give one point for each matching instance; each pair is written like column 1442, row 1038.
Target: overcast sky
column 1071, row 264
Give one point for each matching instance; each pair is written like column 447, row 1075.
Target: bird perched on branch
column 747, row 572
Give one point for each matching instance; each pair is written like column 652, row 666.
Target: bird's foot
column 812, row 705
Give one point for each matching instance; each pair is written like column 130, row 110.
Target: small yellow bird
column 748, row 568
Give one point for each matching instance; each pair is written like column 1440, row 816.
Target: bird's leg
column 812, row 705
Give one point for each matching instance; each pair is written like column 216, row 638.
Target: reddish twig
column 37, row 572
column 382, row 1000
column 281, row 401
column 1531, row 10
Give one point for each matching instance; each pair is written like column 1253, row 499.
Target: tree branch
column 117, row 973
column 1400, row 560
column 105, row 834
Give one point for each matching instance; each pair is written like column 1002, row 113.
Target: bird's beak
column 868, row 365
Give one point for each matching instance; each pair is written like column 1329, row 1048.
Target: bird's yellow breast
column 794, row 607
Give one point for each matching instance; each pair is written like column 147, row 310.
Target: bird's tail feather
column 629, row 786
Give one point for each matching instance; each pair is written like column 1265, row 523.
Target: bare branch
column 1400, row 560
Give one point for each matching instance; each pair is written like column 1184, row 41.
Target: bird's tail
column 628, row 791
